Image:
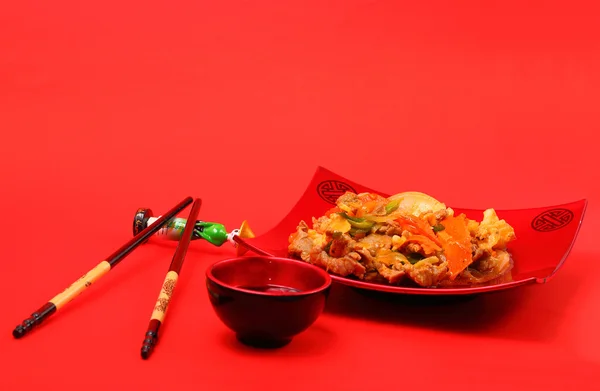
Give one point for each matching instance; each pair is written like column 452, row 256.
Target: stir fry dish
column 407, row 239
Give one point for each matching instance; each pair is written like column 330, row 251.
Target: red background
column 110, row 106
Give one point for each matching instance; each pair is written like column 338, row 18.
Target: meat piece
column 374, row 242
column 300, row 244
column 368, row 260
column 393, row 276
column 379, row 210
column 477, row 251
column 414, row 248
column 389, row 228
column 330, row 225
column 344, row 266
column 490, row 235
column 381, row 229
column 434, row 218
column 428, row 272
column 341, row 245
column 393, row 230
column 489, row 269
column 496, row 264
column 375, row 277
column 494, row 233
column 349, row 202
column 321, row 223
column 308, row 245
column 387, row 263
column 348, row 198
column 305, row 241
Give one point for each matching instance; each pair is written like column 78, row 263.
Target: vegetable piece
column 397, row 242
column 390, row 258
column 438, row 228
column 368, row 207
column 382, row 219
column 336, row 223
column 370, row 203
column 359, row 222
column 456, row 241
column 392, row 206
column 414, row 257
column 418, row 227
column 358, row 232
column 416, row 203
column 352, row 218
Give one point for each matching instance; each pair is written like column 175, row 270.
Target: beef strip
column 393, row 276
column 347, row 265
column 426, row 273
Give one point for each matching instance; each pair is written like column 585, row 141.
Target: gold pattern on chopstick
column 80, row 285
column 160, row 309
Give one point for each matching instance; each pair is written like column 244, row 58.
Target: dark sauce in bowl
column 270, row 288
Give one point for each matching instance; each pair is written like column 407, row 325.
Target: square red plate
column 545, row 235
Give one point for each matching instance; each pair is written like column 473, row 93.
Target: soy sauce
column 270, row 288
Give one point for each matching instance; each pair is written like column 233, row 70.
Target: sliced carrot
column 456, row 242
column 418, row 227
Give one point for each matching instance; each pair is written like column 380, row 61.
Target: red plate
column 545, row 236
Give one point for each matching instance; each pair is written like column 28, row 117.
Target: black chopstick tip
column 146, row 351
column 19, row 332
column 34, row 320
column 151, row 339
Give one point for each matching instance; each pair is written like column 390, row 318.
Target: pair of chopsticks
column 85, row 281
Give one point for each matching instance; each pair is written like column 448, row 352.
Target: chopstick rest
column 212, row 232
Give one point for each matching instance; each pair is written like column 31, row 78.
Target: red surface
column 477, row 103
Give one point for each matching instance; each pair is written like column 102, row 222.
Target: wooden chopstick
column 168, row 286
column 85, row 281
